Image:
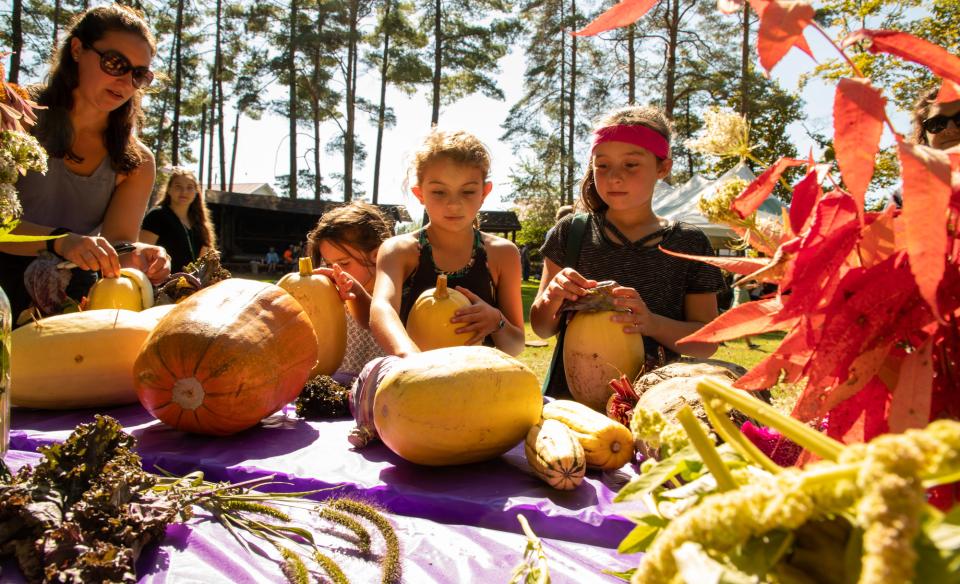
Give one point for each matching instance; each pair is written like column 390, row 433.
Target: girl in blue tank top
column 451, row 171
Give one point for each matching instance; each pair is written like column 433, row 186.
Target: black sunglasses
column 115, row 64
column 937, row 124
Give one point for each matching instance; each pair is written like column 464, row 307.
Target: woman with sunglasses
column 100, row 175
column 936, row 124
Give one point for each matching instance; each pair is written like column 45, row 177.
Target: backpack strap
column 578, row 228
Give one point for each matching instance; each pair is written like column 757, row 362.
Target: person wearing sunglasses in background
column 936, row 124
column 100, row 175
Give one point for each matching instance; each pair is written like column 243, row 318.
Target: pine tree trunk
column 348, row 142
column 437, row 61
column 317, row 179
column 631, row 64
column 292, row 72
column 165, row 103
column 213, row 122
column 571, row 127
column 233, row 157
column 563, row 106
column 673, row 24
column 177, row 86
column 745, row 62
column 56, row 24
column 219, row 80
column 382, row 111
column 203, row 142
column 16, row 41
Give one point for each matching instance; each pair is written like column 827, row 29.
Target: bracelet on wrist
column 51, row 242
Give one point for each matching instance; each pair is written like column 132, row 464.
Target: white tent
column 680, row 203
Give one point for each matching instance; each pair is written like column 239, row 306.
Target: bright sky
column 263, row 150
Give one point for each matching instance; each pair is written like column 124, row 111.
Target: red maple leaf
column 858, row 113
column 754, row 195
column 911, row 400
column 625, row 13
column 781, row 28
column 926, row 198
column 788, row 361
column 737, row 265
column 752, row 318
column 806, row 195
column 861, row 417
column 906, row 46
column 949, row 91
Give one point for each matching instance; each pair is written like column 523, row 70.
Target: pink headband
column 641, row 136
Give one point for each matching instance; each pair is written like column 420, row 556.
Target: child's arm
column 556, row 285
column 700, row 309
column 351, row 292
column 395, row 261
column 481, row 319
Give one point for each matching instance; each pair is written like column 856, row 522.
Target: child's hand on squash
column 568, row 284
column 345, row 283
column 637, row 318
column 480, row 318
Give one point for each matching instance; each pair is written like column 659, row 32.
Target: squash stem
column 820, row 444
column 441, row 290
column 708, row 452
column 306, row 266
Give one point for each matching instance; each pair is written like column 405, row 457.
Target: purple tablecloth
column 316, row 455
column 432, row 552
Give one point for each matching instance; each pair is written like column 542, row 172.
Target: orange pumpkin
column 225, row 358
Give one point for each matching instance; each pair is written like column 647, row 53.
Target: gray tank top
column 64, row 199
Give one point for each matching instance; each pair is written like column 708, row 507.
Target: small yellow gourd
column 131, row 290
column 596, row 350
column 607, row 444
column 319, row 298
column 555, row 455
column 429, row 323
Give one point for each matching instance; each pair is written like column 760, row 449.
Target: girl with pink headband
column 617, row 236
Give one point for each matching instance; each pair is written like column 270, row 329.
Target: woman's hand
column 568, row 284
column 480, row 318
column 89, row 253
column 345, row 283
column 152, row 260
column 638, row 318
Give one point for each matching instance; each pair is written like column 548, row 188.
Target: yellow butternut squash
column 77, row 360
column 555, row 455
column 428, row 323
column 456, row 405
column 596, row 350
column 320, row 300
column 607, row 444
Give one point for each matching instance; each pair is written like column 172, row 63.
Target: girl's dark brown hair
column 648, row 116
column 54, row 129
column 921, row 111
column 359, row 225
column 197, row 212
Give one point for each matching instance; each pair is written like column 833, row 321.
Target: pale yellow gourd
column 429, row 323
column 596, row 350
column 131, row 290
column 319, row 298
column 77, row 360
column 607, row 444
column 555, row 455
column 456, row 405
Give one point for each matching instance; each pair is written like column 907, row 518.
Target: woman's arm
column 482, row 319
column 395, row 262
column 556, row 285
